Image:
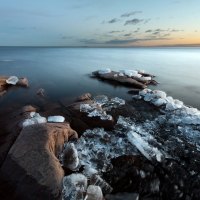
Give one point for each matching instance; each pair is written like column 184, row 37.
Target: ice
column 56, row 119
column 146, row 78
column 94, row 193
column 144, row 147
column 74, row 187
column 119, row 101
column 70, row 158
column 35, row 118
column 159, row 102
column 12, row 80
column 101, row 105
column 121, row 74
column 136, row 97
column 160, row 94
column 104, row 71
column 129, row 73
column 144, row 92
column 89, row 171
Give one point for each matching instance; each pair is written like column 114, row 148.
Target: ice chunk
column 94, row 193
column 160, row 94
column 129, row 73
column 89, row 171
column 56, row 119
column 159, row 102
column 148, row 97
column 138, row 76
column 74, row 187
column 70, row 157
column 101, row 99
column 104, row 71
column 144, row 147
column 146, row 78
column 12, row 80
column 121, row 74
column 118, row 101
column 35, row 118
column 136, row 97
column 144, row 92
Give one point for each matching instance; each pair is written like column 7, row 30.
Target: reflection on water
column 63, row 72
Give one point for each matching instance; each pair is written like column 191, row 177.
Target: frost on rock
column 104, row 71
column 58, row 119
column 35, row 118
column 100, row 105
column 74, row 187
column 12, row 80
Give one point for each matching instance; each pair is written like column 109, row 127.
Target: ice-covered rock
column 35, row 118
column 56, row 119
column 104, row 71
column 119, row 101
column 74, row 187
column 12, row 80
column 160, row 94
column 94, row 193
column 70, row 158
column 159, row 102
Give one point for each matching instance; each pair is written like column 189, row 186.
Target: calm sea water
column 63, row 72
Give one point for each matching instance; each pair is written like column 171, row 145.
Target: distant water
column 63, row 72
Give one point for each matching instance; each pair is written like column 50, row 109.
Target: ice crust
column 34, row 118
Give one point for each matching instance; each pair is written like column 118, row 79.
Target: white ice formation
column 58, row 119
column 74, row 187
column 94, row 193
column 12, row 80
column 100, row 106
column 104, row 71
column 34, row 118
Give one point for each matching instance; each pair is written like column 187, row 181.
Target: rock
column 70, row 157
column 11, row 125
column 23, row 82
column 32, row 167
column 122, row 196
column 124, row 80
column 84, row 97
column 41, row 92
column 134, row 91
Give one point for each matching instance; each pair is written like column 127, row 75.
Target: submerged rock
column 84, row 97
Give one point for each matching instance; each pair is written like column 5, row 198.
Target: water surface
column 63, row 72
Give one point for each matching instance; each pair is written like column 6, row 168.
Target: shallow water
column 63, row 72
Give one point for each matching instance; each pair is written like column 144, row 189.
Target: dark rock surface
column 31, row 167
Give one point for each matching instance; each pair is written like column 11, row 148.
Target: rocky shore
column 101, row 147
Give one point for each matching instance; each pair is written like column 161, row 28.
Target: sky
column 100, row 23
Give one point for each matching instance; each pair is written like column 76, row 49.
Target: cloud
column 135, row 40
column 148, row 31
column 116, row 31
column 176, row 30
column 146, row 21
column 114, row 20
column 131, row 13
column 133, row 21
column 127, row 35
column 137, row 30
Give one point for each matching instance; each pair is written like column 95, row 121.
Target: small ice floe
column 118, row 101
column 104, row 71
column 12, row 80
column 74, row 187
column 70, row 158
column 35, row 118
column 94, row 193
column 58, row 119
